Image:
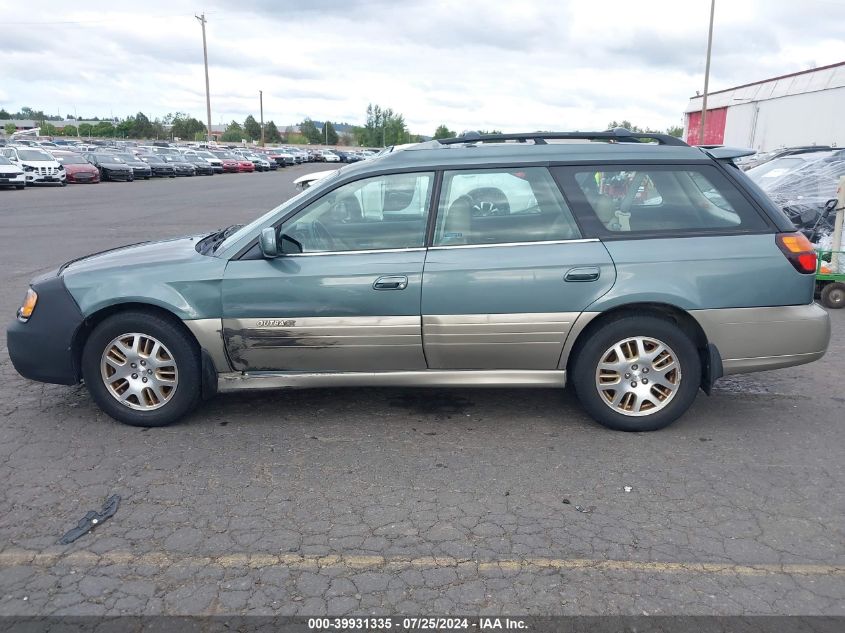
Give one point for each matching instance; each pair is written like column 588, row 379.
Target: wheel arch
column 711, row 362
column 97, row 317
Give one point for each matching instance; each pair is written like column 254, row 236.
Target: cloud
column 530, row 65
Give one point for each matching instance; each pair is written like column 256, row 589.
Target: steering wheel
column 321, row 236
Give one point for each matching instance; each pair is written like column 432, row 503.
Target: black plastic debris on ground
column 91, row 520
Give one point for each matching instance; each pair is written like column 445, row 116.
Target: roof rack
column 619, row 135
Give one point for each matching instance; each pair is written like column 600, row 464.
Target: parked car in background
column 159, row 167
column 140, row 169
column 327, row 156
column 11, row 175
column 245, row 165
column 110, row 166
column 762, row 158
column 77, row 169
column 180, row 165
column 260, row 163
column 201, row 166
column 38, row 165
column 211, row 159
column 228, row 162
column 801, row 184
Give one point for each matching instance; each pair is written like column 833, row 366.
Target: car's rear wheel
column 142, row 369
column 833, row 295
column 637, row 373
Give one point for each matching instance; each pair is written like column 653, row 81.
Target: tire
column 667, row 407
column 833, row 295
column 20, row 187
column 179, row 357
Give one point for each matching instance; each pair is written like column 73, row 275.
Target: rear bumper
column 42, row 348
column 758, row 339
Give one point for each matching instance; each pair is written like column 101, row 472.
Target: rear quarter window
column 651, row 200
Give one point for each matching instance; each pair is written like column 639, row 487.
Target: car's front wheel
column 142, row 369
column 637, row 373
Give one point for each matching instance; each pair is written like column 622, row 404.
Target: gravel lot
column 401, row 501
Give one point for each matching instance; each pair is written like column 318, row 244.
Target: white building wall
column 802, row 119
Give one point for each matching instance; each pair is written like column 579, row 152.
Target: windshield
column 72, row 160
column 108, row 158
column 129, row 158
column 778, row 167
column 5, row 161
column 224, row 155
column 205, row 154
column 285, row 206
column 33, row 154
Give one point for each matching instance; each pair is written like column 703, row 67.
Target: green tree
column 70, row 130
column 443, row 132
column 103, row 129
column 252, row 128
column 85, row 129
column 271, row 133
column 48, row 129
column 630, row 126
column 309, row 130
column 329, row 134
column 10, row 129
column 187, row 127
column 234, row 133
column 4, row 114
column 296, row 139
column 675, row 130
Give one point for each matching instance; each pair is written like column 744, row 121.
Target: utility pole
column 261, row 107
column 706, row 75
column 326, row 130
column 202, row 20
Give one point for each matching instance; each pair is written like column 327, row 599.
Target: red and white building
column 803, row 108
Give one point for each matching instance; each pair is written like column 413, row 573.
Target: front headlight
column 28, row 305
column 28, row 168
column 61, row 167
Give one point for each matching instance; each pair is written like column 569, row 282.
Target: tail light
column 799, row 251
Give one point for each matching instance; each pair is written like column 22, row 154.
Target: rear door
column 507, row 272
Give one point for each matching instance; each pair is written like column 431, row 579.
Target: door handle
column 391, row 282
column 589, row 273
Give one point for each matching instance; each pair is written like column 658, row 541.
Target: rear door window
column 496, row 206
column 618, row 200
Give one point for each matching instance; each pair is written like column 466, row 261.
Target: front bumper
column 42, row 348
column 84, row 177
column 758, row 339
column 11, row 181
column 34, row 178
column 140, row 172
column 118, row 174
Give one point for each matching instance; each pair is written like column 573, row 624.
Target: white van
column 38, row 166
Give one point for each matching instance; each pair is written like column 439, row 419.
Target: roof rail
column 619, row 135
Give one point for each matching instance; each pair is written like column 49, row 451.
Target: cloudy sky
column 471, row 64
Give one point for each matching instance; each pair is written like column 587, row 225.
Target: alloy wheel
column 139, row 371
column 638, row 376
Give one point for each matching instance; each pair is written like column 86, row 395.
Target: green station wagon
column 636, row 266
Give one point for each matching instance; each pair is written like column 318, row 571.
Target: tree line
column 383, row 127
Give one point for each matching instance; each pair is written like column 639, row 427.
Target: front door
column 507, row 273
column 346, row 295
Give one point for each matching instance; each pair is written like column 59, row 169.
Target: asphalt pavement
column 407, row 501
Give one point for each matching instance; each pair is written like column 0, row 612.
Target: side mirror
column 267, row 242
